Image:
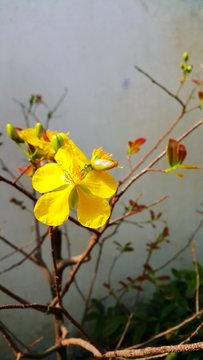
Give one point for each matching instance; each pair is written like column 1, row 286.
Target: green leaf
column 114, row 324
column 171, row 356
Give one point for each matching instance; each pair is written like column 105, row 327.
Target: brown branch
column 168, row 131
column 17, row 187
column 6, row 169
column 27, row 111
column 92, row 242
column 45, row 309
column 126, row 353
column 8, row 338
column 27, row 256
column 168, row 92
column 32, row 197
column 55, row 258
column 84, row 344
column 35, row 356
column 12, row 295
column 64, row 343
column 131, row 212
column 195, row 332
column 168, row 331
column 21, row 251
column 154, row 161
column 64, row 263
column 127, row 325
column 177, row 254
column 92, row 282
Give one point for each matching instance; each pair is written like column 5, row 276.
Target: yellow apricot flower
column 72, row 183
column 102, row 160
column 39, row 143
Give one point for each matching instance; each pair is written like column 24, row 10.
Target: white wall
column 91, row 48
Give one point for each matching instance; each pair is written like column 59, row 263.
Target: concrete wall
column 91, row 47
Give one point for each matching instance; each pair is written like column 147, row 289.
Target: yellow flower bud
column 183, row 66
column 39, row 129
column 104, row 164
column 189, row 68
column 57, row 142
column 185, row 56
column 13, row 134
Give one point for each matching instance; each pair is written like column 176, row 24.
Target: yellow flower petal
column 53, row 208
column 30, row 136
column 100, row 183
column 69, row 157
column 48, row 177
column 92, row 211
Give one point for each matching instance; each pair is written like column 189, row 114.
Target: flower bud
column 189, row 68
column 39, row 129
column 104, row 164
column 13, row 134
column 183, row 66
column 185, row 56
column 57, row 142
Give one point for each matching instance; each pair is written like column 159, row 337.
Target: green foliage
column 169, row 305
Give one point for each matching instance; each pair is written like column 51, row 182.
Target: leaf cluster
column 169, row 305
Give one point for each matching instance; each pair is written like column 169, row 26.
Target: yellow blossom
column 71, row 182
column 40, row 147
column 102, row 160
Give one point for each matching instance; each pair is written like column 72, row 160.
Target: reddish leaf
column 134, row 146
column 141, row 278
column 165, row 231
column 153, row 245
column 28, row 170
column 200, row 94
column 136, row 207
column 172, row 152
column 148, row 268
column 176, row 153
column 123, row 284
column 197, row 82
column 159, row 215
column 152, row 215
column 163, row 277
column 182, row 152
column 138, row 287
column 106, row 285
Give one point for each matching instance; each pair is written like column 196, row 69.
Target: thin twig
column 13, row 295
column 174, row 96
column 195, row 262
column 195, row 332
column 27, row 256
column 131, row 212
column 8, row 338
column 177, row 254
column 17, row 187
column 92, row 242
column 168, row 331
column 55, row 108
column 154, row 161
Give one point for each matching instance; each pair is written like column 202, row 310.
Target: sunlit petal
column 92, row 211
column 69, row 157
column 48, row 177
column 100, row 183
column 53, row 208
column 29, row 135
